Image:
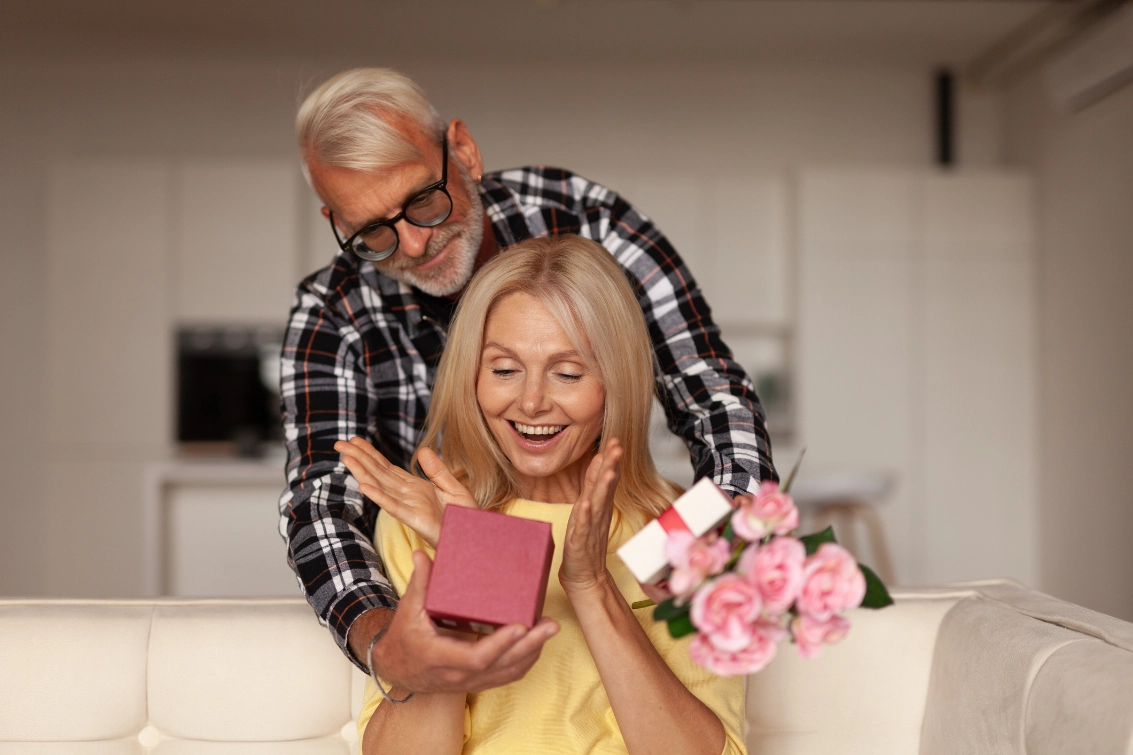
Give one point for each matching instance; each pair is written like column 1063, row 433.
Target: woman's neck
column 563, row 486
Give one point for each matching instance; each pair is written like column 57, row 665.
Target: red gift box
column 490, row 570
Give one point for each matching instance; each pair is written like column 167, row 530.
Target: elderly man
column 414, row 214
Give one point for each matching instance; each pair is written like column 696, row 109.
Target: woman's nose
column 534, row 399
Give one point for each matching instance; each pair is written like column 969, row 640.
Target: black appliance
column 228, row 388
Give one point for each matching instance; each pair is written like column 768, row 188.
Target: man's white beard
column 455, row 270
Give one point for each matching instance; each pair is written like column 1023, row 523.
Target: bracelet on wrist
column 374, row 674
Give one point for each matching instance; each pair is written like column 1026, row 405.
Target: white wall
column 1083, row 164
column 71, row 501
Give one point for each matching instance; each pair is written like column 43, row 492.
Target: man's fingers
column 519, row 658
column 414, row 597
column 530, row 642
column 510, row 642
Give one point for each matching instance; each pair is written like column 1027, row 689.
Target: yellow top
column 560, row 706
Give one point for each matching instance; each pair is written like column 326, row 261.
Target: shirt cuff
column 351, row 604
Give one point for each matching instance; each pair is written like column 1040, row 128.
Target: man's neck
column 489, row 248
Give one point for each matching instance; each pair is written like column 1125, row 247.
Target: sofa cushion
column 324, row 746
column 127, row 746
column 864, row 695
column 80, row 671
column 241, row 671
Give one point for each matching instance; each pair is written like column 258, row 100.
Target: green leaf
column 669, row 610
column 786, row 486
column 816, row 539
column 641, row 604
column 876, row 596
column 680, row 626
column 729, row 534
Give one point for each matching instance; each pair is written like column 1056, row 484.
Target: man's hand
column 414, row 656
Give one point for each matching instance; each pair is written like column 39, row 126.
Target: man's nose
column 412, row 240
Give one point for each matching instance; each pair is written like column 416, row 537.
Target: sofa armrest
column 1016, row 671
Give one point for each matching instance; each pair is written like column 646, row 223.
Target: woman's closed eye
column 503, row 372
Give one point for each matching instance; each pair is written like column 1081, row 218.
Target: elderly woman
column 541, row 410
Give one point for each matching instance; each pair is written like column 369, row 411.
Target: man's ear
column 463, row 147
column 326, row 212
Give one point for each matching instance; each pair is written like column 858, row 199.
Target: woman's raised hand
column 588, row 529
column 418, row 504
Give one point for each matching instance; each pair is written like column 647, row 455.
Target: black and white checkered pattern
column 360, row 358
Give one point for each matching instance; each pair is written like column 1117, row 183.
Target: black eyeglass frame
column 358, row 247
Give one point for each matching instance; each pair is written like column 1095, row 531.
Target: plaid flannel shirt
column 360, row 357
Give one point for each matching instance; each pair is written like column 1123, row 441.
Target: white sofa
column 987, row 667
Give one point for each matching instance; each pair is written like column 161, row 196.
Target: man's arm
column 326, row 522
column 329, row 525
column 709, row 399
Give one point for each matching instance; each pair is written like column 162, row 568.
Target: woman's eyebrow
column 557, row 356
column 494, row 345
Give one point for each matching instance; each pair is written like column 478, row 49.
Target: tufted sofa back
column 173, row 676
column 985, row 667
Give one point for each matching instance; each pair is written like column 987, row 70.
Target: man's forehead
column 361, row 196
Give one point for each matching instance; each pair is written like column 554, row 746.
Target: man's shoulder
column 547, row 186
column 343, row 289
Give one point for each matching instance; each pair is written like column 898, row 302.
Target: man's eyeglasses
column 427, row 208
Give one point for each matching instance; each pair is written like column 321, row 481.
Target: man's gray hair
column 352, row 120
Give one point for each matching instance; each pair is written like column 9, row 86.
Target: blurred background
column 913, row 220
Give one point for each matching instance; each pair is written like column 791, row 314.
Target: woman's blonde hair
column 587, row 293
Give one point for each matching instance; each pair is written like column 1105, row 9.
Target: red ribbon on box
column 671, row 521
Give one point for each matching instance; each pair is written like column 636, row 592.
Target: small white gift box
column 703, row 507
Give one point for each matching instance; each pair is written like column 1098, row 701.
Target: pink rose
column 748, row 660
column 832, row 583
column 694, row 559
column 810, row 634
column 776, row 570
column 725, row 611
column 770, row 512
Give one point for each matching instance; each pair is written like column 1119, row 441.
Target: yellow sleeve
column 395, row 544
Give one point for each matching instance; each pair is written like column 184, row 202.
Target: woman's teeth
column 537, row 431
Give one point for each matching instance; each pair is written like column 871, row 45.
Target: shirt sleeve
column 327, row 523
column 709, row 399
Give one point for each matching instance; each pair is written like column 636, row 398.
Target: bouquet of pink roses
column 747, row 588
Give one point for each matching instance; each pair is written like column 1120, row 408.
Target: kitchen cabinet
column 211, row 529
column 917, row 357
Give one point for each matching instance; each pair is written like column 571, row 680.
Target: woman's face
column 541, row 402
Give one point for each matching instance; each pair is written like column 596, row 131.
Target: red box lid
column 490, row 569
